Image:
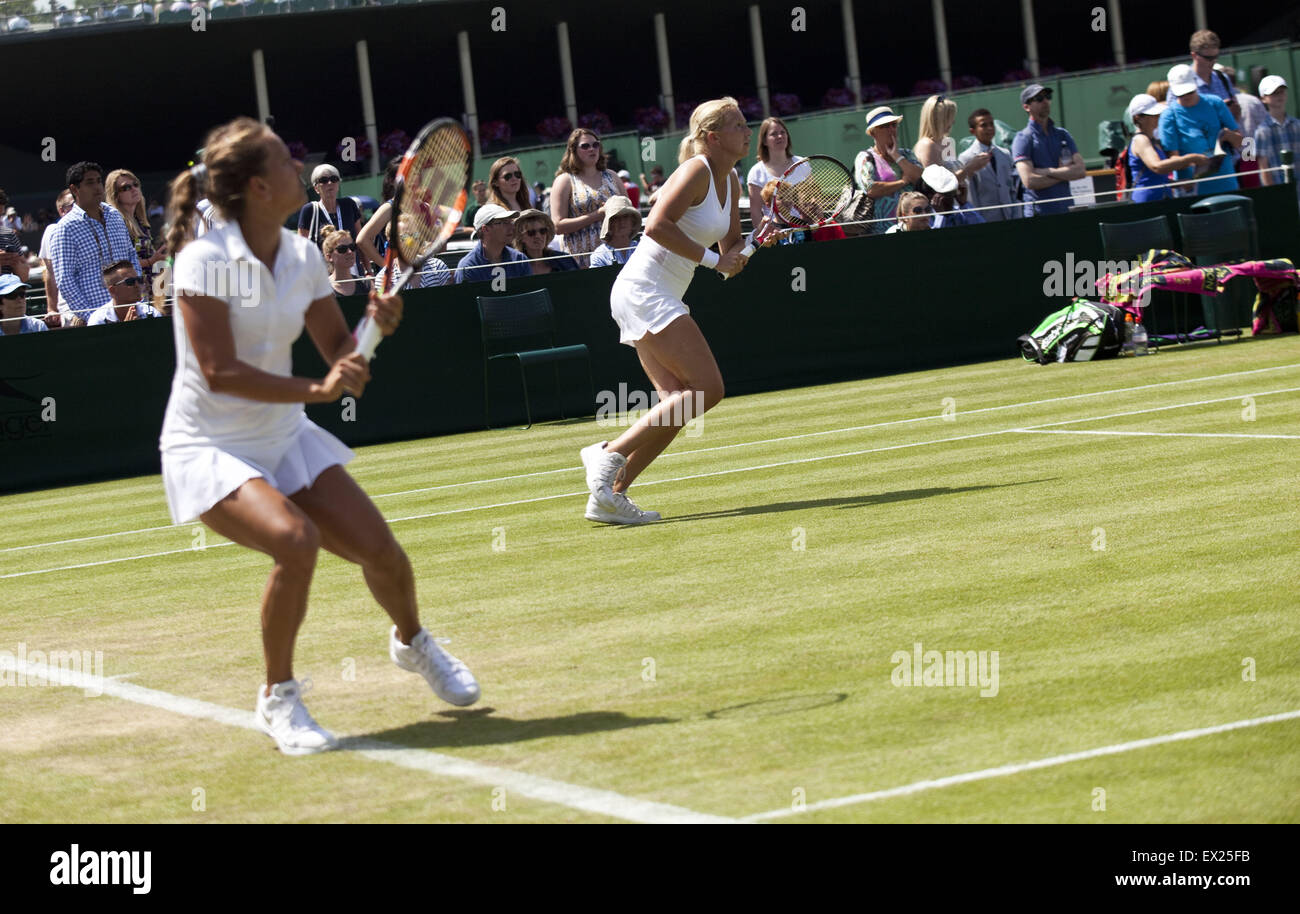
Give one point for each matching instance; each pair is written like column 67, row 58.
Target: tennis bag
column 1083, row 331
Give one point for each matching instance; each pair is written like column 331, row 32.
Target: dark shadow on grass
column 782, row 704
column 851, row 501
column 478, row 727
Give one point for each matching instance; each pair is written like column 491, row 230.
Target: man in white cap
column 1278, row 131
column 491, row 225
column 633, row 192
column 1197, row 123
column 946, row 190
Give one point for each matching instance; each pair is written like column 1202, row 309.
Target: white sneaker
column 624, row 511
column 283, row 717
column 451, row 680
column 602, row 469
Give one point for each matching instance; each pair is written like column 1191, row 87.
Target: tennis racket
column 811, row 193
column 428, row 201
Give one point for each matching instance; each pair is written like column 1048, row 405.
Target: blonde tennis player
column 698, row 207
column 237, row 450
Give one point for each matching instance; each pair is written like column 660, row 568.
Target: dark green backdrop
column 868, row 306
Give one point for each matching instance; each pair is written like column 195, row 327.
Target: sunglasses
column 1206, row 56
column 129, row 281
column 345, row 249
column 512, row 176
column 921, row 211
column 123, row 188
column 15, row 296
column 595, row 145
column 328, row 179
column 535, row 231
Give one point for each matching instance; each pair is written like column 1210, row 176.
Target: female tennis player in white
column 238, row 451
column 698, row 206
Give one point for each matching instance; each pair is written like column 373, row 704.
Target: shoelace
column 447, row 665
column 622, row 500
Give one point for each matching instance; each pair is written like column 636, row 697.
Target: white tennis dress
column 213, row 443
column 647, row 295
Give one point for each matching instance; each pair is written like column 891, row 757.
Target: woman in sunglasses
column 582, row 187
column 340, row 256
column 126, row 196
column 340, row 212
column 534, row 232
column 126, row 293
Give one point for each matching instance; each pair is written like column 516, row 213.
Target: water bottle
column 1140, row 339
column 1127, row 347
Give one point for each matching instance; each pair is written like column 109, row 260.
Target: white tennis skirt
column 196, row 477
column 640, row 307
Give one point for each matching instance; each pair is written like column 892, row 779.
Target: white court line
column 723, row 447
column 1077, row 431
column 1001, row 771
column 587, row 799
column 656, row 482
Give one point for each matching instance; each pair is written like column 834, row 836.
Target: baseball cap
column 321, row 170
column 940, row 179
column 881, row 117
column 1182, row 80
column 10, row 282
column 1032, row 90
column 1270, row 84
column 1144, row 104
column 625, row 175
column 490, row 212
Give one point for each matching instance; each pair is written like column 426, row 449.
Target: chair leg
column 591, row 384
column 528, row 410
column 487, row 420
column 558, row 395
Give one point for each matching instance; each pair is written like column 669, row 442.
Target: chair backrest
column 516, row 317
column 1219, row 235
column 1126, row 240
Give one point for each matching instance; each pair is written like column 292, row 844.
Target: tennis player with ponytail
column 696, row 208
column 238, row 452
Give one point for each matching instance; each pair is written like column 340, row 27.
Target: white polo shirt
column 266, row 317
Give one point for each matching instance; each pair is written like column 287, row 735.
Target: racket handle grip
column 368, row 336
column 747, row 253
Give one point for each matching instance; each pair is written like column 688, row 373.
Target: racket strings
column 433, row 193
column 813, row 193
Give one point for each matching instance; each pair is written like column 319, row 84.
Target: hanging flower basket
column 876, row 92
column 393, row 143
column 967, row 82
column 785, row 104
column 929, row 87
column 651, row 120
column 751, row 107
column 837, row 97
column 494, row 134
column 596, row 120
column 554, row 128
column 298, row 150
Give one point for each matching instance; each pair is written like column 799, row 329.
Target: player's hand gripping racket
column 428, row 201
column 811, row 193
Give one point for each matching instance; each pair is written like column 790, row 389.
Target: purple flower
column 929, row 87
column 393, row 143
column 751, row 107
column 494, row 133
column 1017, row 76
column 876, row 92
column 298, row 150
column 554, row 128
column 684, row 110
column 785, row 104
column 837, row 97
column 596, row 120
column 650, row 120
column 967, row 82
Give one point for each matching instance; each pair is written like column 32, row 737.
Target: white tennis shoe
column 283, row 717
column 624, row 511
column 603, row 468
column 451, row 680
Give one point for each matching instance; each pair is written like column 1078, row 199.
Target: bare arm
column 561, row 195
column 51, row 288
column 928, row 152
column 684, row 189
column 1146, row 151
column 207, row 322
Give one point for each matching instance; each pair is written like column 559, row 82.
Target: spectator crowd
column 100, row 253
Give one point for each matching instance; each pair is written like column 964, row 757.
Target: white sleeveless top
column 706, row 223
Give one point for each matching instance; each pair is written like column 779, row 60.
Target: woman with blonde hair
column 127, row 197
column 582, row 187
column 936, row 147
column 340, row 256
column 698, row 207
column 238, row 452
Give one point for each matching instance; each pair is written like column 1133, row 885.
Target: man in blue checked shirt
column 91, row 236
column 1278, row 131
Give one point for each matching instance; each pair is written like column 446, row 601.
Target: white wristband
column 710, row 259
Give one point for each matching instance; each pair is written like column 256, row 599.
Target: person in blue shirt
column 1147, row 161
column 1046, row 156
column 1196, row 123
column 13, row 308
column 1278, row 132
column 492, row 223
